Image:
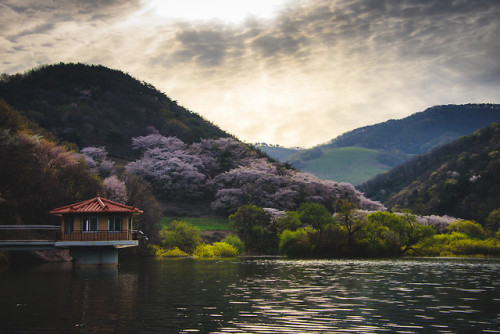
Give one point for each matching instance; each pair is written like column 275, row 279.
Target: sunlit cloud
column 297, row 73
column 228, row 11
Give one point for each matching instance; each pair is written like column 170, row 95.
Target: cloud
column 313, row 71
column 206, row 47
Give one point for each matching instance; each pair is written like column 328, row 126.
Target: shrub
column 220, row 249
column 295, row 243
column 161, row 253
column 182, row 235
column 236, row 242
column 204, row 250
column 459, row 244
column 468, row 227
column 223, row 249
column 175, row 252
column 439, row 244
column 489, row 247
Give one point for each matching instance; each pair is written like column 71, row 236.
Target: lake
column 254, row 295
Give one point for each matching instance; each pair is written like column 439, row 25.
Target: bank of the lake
column 254, row 295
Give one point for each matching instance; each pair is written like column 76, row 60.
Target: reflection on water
column 255, row 296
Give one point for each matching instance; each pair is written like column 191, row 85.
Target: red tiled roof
column 95, row 205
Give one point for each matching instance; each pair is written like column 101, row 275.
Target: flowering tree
column 40, row 175
column 169, row 173
column 97, row 160
column 115, row 189
column 157, row 141
column 439, row 223
column 263, row 184
column 232, row 175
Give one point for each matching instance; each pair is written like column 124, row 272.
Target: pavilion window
column 115, row 223
column 89, row 224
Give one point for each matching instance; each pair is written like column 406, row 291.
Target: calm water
column 254, row 296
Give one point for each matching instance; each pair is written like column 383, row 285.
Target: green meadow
column 349, row 164
column 203, row 223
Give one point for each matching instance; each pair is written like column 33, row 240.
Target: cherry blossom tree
column 115, row 189
column 231, row 174
column 97, row 160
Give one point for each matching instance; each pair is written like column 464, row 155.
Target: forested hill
column 361, row 154
column 97, row 106
column 459, row 179
column 171, row 158
column 423, row 131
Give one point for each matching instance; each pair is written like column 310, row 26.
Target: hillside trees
column 97, row 160
column 91, row 105
column 468, row 227
column 373, row 234
column 140, row 194
column 346, row 216
column 38, row 175
column 493, row 220
column 404, row 231
column 460, row 179
column 116, row 190
column 255, row 228
column 314, row 215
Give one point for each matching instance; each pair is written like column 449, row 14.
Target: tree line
column 313, row 231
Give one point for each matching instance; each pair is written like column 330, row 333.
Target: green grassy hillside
column 343, row 164
column 279, row 153
column 203, row 223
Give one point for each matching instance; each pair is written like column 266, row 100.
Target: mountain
column 459, row 179
column 279, row 153
column 423, row 131
column 360, row 154
column 91, row 105
column 123, row 134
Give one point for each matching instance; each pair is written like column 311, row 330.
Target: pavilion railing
column 101, row 235
column 53, row 233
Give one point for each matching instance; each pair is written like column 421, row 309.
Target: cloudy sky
column 289, row 72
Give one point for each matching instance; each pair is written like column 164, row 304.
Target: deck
column 41, row 237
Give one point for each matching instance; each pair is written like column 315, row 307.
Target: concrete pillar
column 94, row 255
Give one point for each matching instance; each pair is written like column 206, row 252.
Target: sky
column 287, row 72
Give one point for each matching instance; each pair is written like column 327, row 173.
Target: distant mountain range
column 361, row 154
column 459, row 179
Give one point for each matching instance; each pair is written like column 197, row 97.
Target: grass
column 204, row 223
column 349, row 164
column 282, row 154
